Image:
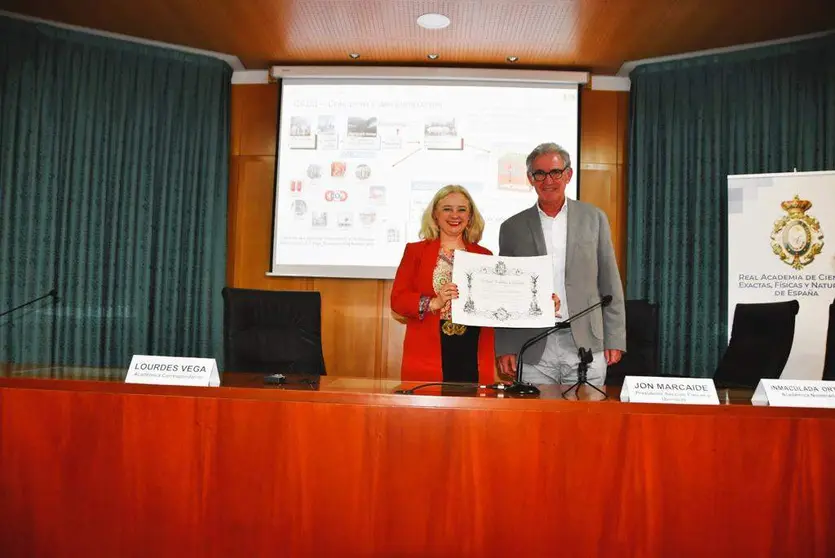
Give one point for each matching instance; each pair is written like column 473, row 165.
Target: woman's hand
column 557, row 304
column 446, row 293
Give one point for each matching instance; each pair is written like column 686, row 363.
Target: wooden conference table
column 90, row 466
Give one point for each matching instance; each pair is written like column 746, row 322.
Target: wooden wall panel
column 359, row 331
column 603, row 116
column 233, row 203
column 252, row 218
column 251, row 192
column 254, row 118
column 598, row 127
column 394, row 332
column 602, row 186
column 623, row 126
column 623, row 190
column 352, row 325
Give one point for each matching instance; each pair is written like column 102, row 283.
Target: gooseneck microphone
column 53, row 293
column 517, row 387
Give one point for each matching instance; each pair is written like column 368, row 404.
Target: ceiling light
column 433, row 21
column 512, row 59
column 354, row 55
column 432, row 56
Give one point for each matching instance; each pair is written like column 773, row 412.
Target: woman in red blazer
column 435, row 349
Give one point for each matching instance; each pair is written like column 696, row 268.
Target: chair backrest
column 829, row 359
column 761, row 340
column 641, row 357
column 272, row 331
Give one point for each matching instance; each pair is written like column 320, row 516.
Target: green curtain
column 113, row 184
column 692, row 123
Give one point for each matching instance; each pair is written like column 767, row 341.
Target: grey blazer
column 591, row 272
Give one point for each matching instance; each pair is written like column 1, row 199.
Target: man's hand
column 612, row 356
column 507, row 367
column 557, row 304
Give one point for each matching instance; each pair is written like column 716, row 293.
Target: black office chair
column 829, row 359
column 641, row 356
column 761, row 340
column 272, row 331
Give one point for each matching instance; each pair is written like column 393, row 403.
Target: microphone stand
column 582, row 374
column 54, row 294
column 517, row 387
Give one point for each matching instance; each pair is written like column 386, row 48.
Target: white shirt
column 555, row 231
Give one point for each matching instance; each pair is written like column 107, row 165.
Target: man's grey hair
column 548, row 149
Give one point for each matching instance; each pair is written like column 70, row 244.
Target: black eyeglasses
column 555, row 174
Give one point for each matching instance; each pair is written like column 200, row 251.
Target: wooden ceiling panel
column 596, row 35
column 384, row 31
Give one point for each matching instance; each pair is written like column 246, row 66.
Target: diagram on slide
column 358, row 164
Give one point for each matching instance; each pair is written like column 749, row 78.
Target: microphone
column 53, row 293
column 517, row 387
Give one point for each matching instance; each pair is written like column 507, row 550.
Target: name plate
column 654, row 389
column 795, row 393
column 173, row 371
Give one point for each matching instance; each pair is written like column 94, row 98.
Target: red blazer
column 422, row 347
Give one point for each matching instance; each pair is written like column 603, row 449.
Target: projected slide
column 358, row 163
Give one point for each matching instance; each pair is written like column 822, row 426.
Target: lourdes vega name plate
column 173, row 371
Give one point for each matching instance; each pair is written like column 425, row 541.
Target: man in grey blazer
column 577, row 237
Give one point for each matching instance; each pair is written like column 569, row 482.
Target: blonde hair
column 429, row 228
